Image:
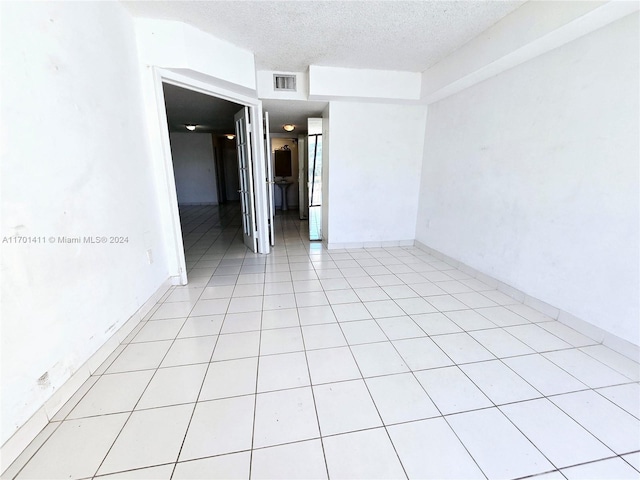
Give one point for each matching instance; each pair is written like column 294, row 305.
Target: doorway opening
column 204, row 158
column 254, row 154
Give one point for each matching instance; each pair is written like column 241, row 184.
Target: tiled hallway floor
column 370, row 363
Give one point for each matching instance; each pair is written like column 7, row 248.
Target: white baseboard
column 21, row 439
column 620, row 345
column 356, row 245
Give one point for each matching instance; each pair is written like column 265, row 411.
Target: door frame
column 165, row 177
column 245, row 173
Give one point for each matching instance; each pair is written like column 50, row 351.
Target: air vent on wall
column 284, row 82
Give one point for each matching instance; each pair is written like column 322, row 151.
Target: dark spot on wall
column 43, row 381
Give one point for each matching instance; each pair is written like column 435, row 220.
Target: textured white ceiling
column 291, row 35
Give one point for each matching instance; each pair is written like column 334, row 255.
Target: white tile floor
column 371, row 363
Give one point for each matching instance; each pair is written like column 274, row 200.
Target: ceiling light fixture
column 230, row 136
column 288, row 127
column 191, row 128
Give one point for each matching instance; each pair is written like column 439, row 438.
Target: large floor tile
column 537, row 337
column 499, row 342
column 463, row 348
column 150, row 437
column 201, row 326
column 345, row 407
column 245, row 304
column 362, row 455
column 350, row 312
column 279, row 302
column 399, row 291
column 543, row 375
column 162, row 472
column 469, row 320
column 233, row 466
column 241, row 322
column 383, row 309
column 632, row 459
column 281, row 340
column 436, row 323
column 316, row 315
column 215, row 306
column 371, row 294
column 531, row 314
column 75, row 449
column 302, row 460
column 159, row 330
column 173, row 385
column 588, row 370
column 624, row 365
column 283, row 318
column 323, row 336
column 474, row 300
column 610, row 469
column 114, row 393
column 499, row 382
column 400, row 398
column 173, row 310
column 311, row 299
column 503, row 316
column 218, row 427
column 422, row 353
column 616, row 428
column 446, row 303
column 332, row 365
column 454, row 286
column 626, row 397
column 187, row 351
column 230, row 378
column 498, row 447
column 378, row 359
column 398, row 328
column 430, row 450
column 285, row 416
column 415, row 306
column 555, row 434
column 140, row 356
column 286, row 370
column 237, row 345
column 363, row 331
column 341, row 296
column 451, row 390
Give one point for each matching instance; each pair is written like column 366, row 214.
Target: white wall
column 194, row 168
column 375, row 157
column 532, row 177
column 333, row 82
column 171, row 44
column 74, row 163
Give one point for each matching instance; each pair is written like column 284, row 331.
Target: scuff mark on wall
column 44, row 382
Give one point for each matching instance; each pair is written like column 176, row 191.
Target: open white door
column 270, row 182
column 245, row 149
